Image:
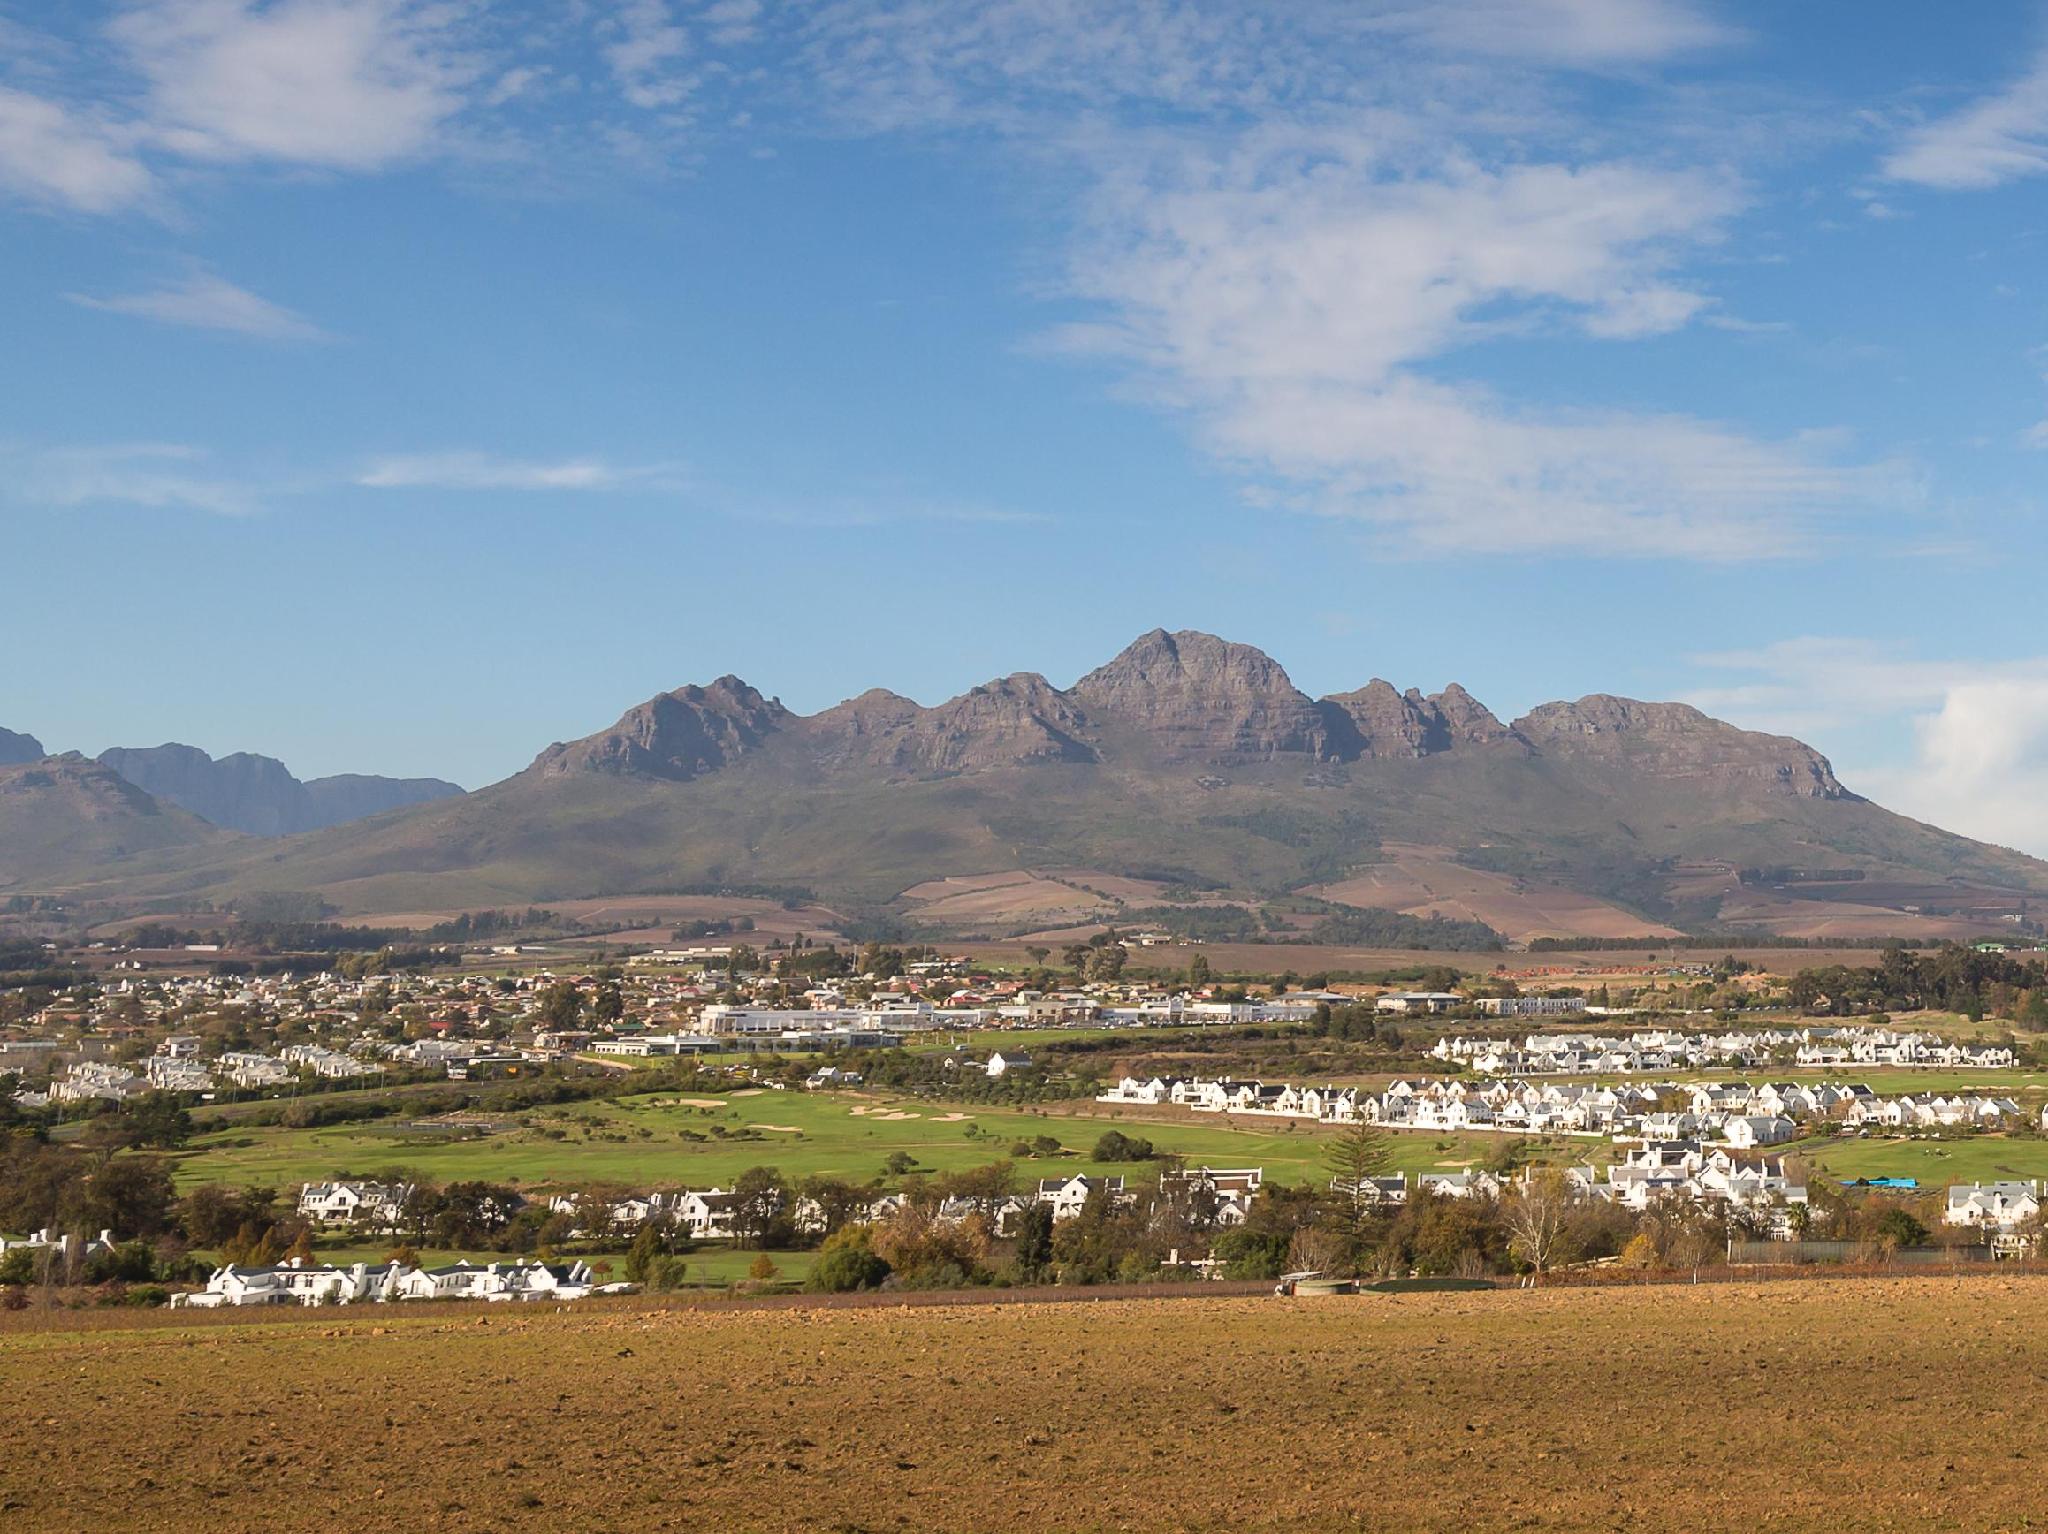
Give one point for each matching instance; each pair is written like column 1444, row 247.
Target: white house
column 350, row 1203
column 1999, row 1206
column 1068, row 1195
column 1747, row 1131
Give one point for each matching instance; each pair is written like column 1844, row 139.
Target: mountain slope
column 258, row 794
column 1185, row 761
column 67, row 819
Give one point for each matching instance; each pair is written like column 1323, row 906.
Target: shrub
column 846, row 1263
column 1117, row 1146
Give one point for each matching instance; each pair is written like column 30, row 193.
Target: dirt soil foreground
column 1901, row 1404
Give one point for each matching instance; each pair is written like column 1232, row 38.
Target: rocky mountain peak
column 1016, row 720
column 1676, row 740
column 677, row 736
column 1203, row 697
column 1387, row 723
column 1466, row 719
column 16, row 747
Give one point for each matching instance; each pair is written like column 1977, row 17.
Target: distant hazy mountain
column 258, row 794
column 1185, row 764
column 19, row 748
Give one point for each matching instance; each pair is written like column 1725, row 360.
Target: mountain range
column 1186, row 779
column 258, row 794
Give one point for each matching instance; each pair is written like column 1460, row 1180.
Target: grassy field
column 1934, row 1163
column 639, row 1142
column 1892, row 1404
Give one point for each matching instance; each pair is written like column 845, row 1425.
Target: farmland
column 1889, row 1404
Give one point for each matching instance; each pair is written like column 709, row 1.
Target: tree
column 560, row 1006
column 847, row 1262
column 1358, row 1153
column 1897, row 1227
column 1034, row 1241
column 129, row 1195
column 759, row 1196
column 654, row 1240
column 1117, row 1146
column 1198, row 972
column 762, row 1268
column 1537, row 1212
column 1640, row 1254
column 156, row 1119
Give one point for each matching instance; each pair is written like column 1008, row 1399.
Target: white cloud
column 1317, row 261
column 1447, row 471
column 347, row 84
column 483, row 471
column 1976, row 731
column 1980, row 763
column 52, row 154
column 1291, row 293
column 1998, row 139
column 154, row 475
column 209, row 303
column 646, row 44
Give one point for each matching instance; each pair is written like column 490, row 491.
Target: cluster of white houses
column 1735, row 1112
column 298, row 1282
column 1568, row 1054
column 176, row 1067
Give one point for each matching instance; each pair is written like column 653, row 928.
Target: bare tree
column 1537, row 1212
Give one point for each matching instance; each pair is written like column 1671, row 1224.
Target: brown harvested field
column 1313, row 959
column 1421, row 884
column 1117, row 886
column 1882, row 1404
column 655, row 912
column 1017, row 896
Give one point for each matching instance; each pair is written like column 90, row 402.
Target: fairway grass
column 1880, row 1404
column 639, row 1142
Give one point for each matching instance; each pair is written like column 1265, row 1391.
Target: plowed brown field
column 1904, row 1404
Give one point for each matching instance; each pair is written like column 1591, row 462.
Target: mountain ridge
column 259, row 795
column 1187, row 759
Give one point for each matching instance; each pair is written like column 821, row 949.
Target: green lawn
column 1935, row 1163
column 639, row 1142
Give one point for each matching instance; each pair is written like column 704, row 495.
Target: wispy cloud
column 485, row 471
column 645, row 48
column 152, row 475
column 2000, row 138
column 1576, row 33
column 56, row 155
column 207, row 302
column 1290, row 292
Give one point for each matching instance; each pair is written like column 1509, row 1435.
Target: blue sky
column 399, row 385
